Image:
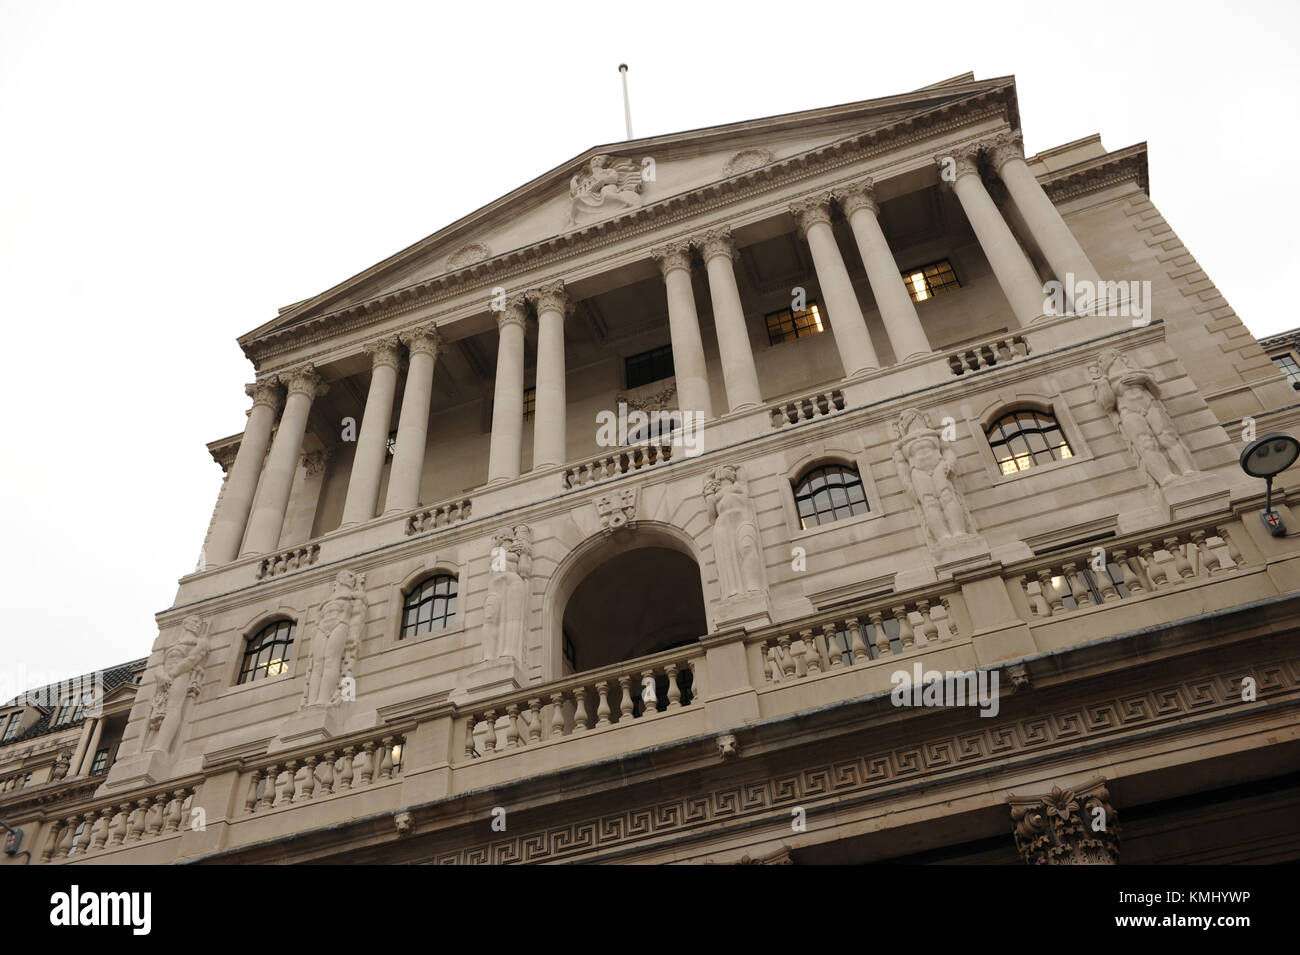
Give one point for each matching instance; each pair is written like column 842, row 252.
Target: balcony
column 434, row 751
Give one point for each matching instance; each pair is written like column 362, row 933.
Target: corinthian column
column 423, row 343
column 850, row 329
column 1059, row 246
column 237, row 502
column 549, row 448
column 689, row 367
column 1014, row 273
column 897, row 312
column 738, row 373
column 506, row 449
column 372, row 443
column 303, row 386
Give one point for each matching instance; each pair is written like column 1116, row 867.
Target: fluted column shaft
column 304, row 386
column 549, row 408
column 506, row 450
column 738, row 372
column 1011, row 267
column 423, row 343
column 1054, row 238
column 857, row 354
column 897, row 311
column 372, row 442
column 689, row 367
column 241, row 485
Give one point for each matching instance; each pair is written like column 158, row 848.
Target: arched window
column 431, row 605
column 267, row 654
column 1023, row 438
column 829, row 493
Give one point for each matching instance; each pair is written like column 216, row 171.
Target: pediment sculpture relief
column 468, row 255
column 747, row 159
column 505, row 612
column 180, row 681
column 607, row 186
column 336, row 641
column 927, row 468
column 1131, row 397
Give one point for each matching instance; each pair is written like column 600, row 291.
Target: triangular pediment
column 607, row 181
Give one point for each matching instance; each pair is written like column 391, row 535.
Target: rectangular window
column 930, row 280
column 100, row 763
column 653, row 365
column 787, row 324
column 12, row 729
column 530, row 403
column 1289, row 368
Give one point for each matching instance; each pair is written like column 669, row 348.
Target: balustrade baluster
column 625, row 704
column 877, row 618
column 812, row 659
column 325, row 775
column 1055, row 604
column 1077, row 589
column 834, row 654
column 154, row 820
column 470, row 748
column 580, row 710
column 948, row 629
column 649, row 701
column 250, row 800
column 512, row 726
column 1156, row 572
column 1131, row 581
column 929, row 629
column 535, row 723
column 788, row 666
column 602, row 706
column 674, row 691
column 857, row 646
column 557, row 714
column 1206, row 559
column 906, row 636
column 386, row 758
column 367, row 763
column 1233, row 553
column 1181, row 563
column 268, row 791
column 347, row 767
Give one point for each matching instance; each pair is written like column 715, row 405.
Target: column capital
column 552, row 297
column 384, row 351
column 673, row 255
column 858, row 195
column 423, row 340
column 811, row 210
column 716, row 242
column 1067, row 826
column 964, row 160
column 304, row 381
column 514, row 313
column 264, row 391
column 1005, row 147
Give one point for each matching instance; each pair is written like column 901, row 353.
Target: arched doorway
column 626, row 596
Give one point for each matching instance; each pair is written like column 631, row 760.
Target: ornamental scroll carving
column 737, row 546
column 605, row 187
column 336, row 641
column 468, row 255
column 180, row 681
column 505, row 613
column 1131, row 397
column 1067, row 827
column 747, row 159
column 927, row 468
column 617, row 510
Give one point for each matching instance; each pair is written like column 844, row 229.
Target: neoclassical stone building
column 607, row 523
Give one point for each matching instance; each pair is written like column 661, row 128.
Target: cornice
column 931, row 122
column 1093, row 175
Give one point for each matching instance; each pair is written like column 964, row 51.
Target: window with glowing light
column 930, row 280
column 787, row 324
column 267, row 654
column 1026, row 438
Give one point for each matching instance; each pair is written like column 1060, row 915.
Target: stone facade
column 650, row 649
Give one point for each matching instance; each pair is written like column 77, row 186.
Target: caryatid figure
column 737, row 546
column 926, row 465
column 505, row 613
column 1132, row 397
column 336, row 640
column 180, row 680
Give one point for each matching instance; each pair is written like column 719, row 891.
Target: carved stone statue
column 737, row 546
column 606, row 187
column 336, row 640
column 926, row 467
column 62, row 763
column 180, row 681
column 1132, row 398
column 505, row 613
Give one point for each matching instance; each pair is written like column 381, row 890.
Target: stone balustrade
column 336, row 770
column 808, row 408
column 438, row 515
column 882, row 628
column 137, row 818
column 618, row 695
column 294, row 558
column 623, row 461
column 1131, row 567
column 997, row 351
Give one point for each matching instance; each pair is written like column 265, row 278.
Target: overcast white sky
column 172, row 173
